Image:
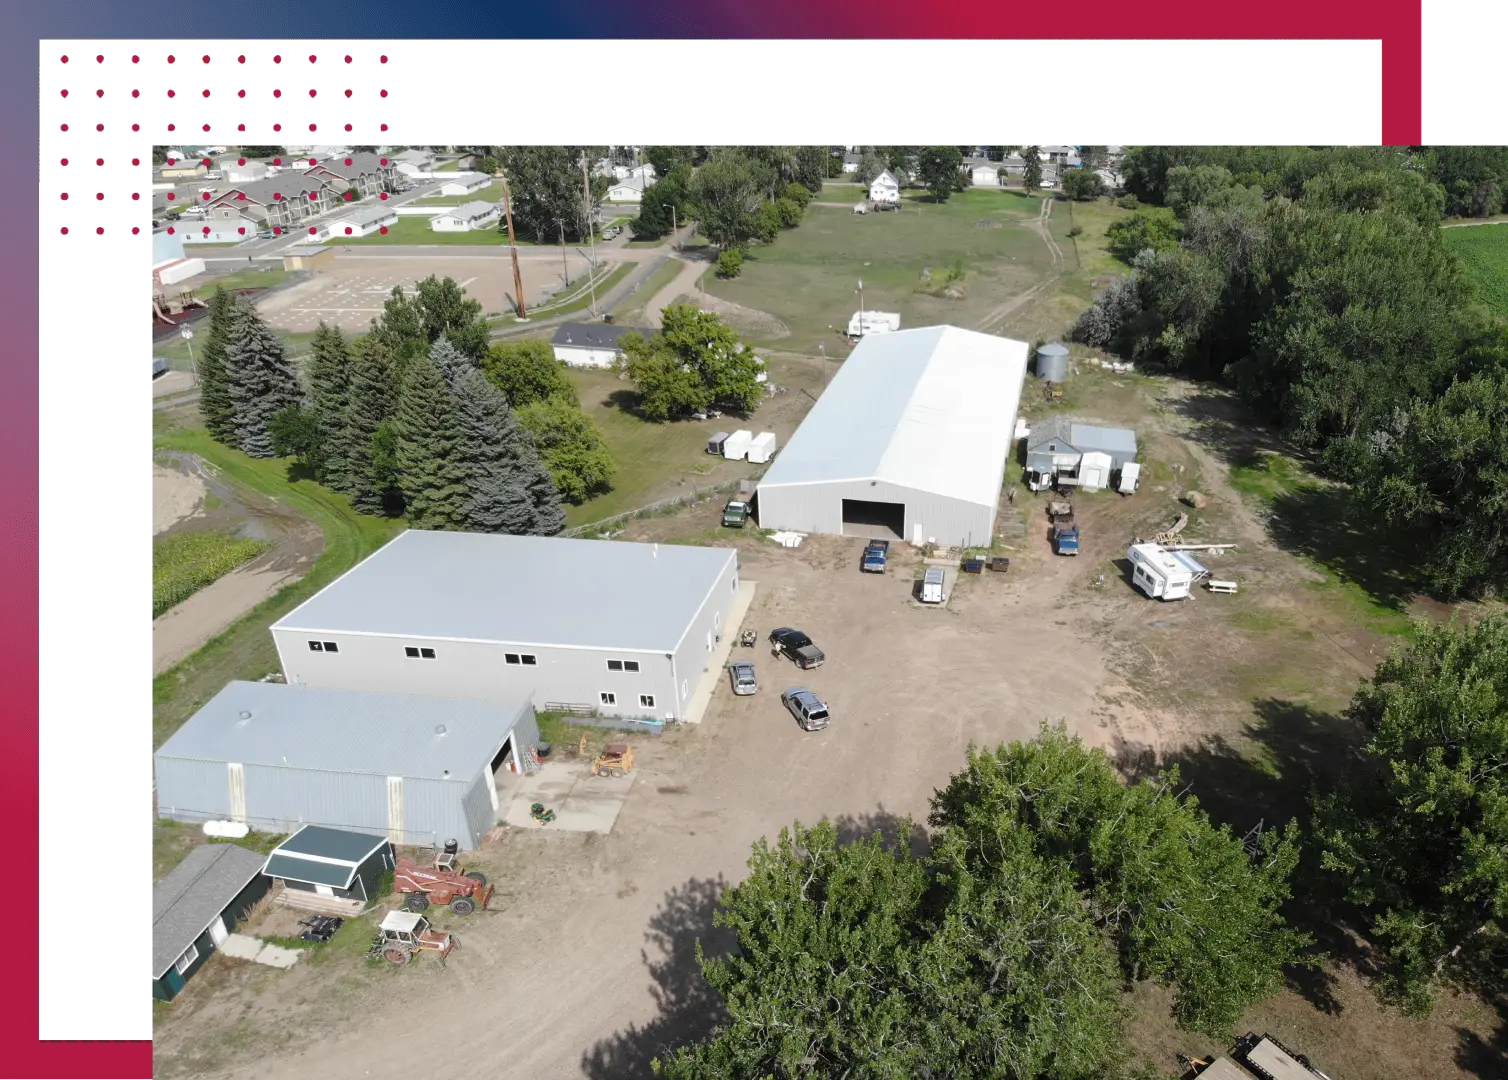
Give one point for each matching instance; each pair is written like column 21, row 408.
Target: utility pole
column 565, row 268
column 586, row 197
column 518, row 282
column 673, row 227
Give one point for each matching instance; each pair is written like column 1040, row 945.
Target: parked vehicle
column 797, row 646
column 1130, row 478
column 266, row 234
column 932, row 585
column 404, row 933
column 884, row 206
column 615, row 760
column 874, row 557
column 809, row 710
column 1065, row 539
column 735, row 514
column 741, row 675
column 422, row 886
column 861, row 208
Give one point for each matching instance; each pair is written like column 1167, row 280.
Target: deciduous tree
column 728, row 196
column 526, row 372
column 546, row 185
column 1081, row 185
column 939, row 170
column 570, row 446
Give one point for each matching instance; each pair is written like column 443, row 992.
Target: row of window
column 416, row 653
column 323, row 646
column 646, row 701
column 419, row 652
column 623, row 665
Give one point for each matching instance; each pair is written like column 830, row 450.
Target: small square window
column 608, row 699
column 187, row 959
column 411, row 651
column 428, row 654
column 615, row 665
column 330, row 646
column 510, row 658
column 630, row 665
column 528, row 659
column 315, row 646
column 646, row 701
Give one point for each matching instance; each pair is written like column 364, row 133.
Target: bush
column 1128, row 202
column 730, row 263
column 1077, row 230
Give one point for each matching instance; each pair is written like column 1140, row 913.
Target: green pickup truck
column 735, row 514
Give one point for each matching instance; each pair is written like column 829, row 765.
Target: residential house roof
column 360, row 165
column 635, row 182
column 267, row 191
column 365, row 215
column 193, row 894
column 413, row 156
column 528, row 590
column 1083, row 438
column 594, row 335
column 471, row 211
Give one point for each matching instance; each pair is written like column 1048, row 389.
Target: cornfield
column 185, row 563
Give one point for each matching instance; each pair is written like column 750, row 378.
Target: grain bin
column 1052, row 363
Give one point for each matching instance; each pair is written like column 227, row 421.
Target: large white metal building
column 910, row 440
column 625, row 630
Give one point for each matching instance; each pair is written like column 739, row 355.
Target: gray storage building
column 195, row 908
column 625, row 630
column 910, row 440
column 418, row 770
column 1057, row 444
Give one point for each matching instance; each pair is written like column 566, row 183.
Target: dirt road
column 684, row 283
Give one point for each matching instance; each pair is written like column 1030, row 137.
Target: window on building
column 607, row 698
column 330, row 646
column 186, row 961
column 528, row 659
column 630, row 665
column 646, row 701
column 411, row 651
column 315, row 646
column 510, row 658
column 428, row 654
column 615, row 665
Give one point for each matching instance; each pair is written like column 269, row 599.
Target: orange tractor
column 441, row 883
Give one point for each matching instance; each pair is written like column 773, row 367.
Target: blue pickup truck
column 1066, row 539
column 874, row 557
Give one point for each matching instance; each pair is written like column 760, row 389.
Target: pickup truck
column 1065, row 539
column 735, row 514
column 797, row 646
column 874, row 557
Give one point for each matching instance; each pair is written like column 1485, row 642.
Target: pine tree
column 509, row 489
column 215, row 406
column 329, row 371
column 372, row 402
column 430, row 470
column 259, row 378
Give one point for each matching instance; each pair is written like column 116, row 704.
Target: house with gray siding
column 1057, row 444
column 417, row 770
column 909, row 441
column 196, row 907
column 619, row 629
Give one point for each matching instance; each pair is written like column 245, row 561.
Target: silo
column 1052, row 363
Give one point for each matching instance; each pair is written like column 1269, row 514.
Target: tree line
column 1315, row 282
column 420, row 417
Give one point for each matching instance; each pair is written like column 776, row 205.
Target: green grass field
column 581, row 303
column 492, row 193
column 1484, row 251
column 244, row 650
column 633, row 305
column 187, row 562
column 253, row 277
column 416, row 230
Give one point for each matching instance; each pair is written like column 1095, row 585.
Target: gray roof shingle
column 471, row 211
column 594, row 335
column 197, row 890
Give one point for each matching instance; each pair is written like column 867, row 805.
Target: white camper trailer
column 737, row 445
column 873, row 322
column 1130, row 478
column 1163, row 574
column 762, row 448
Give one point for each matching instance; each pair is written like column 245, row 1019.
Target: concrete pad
column 277, row 956
column 172, row 382
column 715, row 675
column 582, row 802
column 242, row 946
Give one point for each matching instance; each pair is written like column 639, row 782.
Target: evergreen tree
column 215, row 406
column 329, row 372
column 509, row 490
column 430, row 470
column 260, row 380
column 370, row 433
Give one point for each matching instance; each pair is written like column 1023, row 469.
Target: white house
column 360, row 222
column 465, row 184
column 630, row 190
column 244, row 174
column 850, row 163
column 414, row 161
column 625, row 172
column 885, row 188
column 591, row 344
column 987, row 175
column 466, row 218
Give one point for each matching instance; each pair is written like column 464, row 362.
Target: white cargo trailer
column 737, row 444
column 762, row 448
column 873, row 322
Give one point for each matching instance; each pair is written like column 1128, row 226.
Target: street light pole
column 188, row 338
column 861, row 308
column 822, row 348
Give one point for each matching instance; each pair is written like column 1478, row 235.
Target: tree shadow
column 1485, row 1058
column 624, row 400
column 1325, row 523
column 1223, row 425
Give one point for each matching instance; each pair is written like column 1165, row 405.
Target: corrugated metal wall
column 477, row 810
column 818, row 508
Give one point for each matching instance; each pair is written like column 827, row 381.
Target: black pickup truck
column 796, row 645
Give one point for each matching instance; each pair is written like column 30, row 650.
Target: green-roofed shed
column 333, row 863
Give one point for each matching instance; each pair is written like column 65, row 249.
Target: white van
column 932, row 585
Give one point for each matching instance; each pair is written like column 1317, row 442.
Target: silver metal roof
column 344, row 731
column 523, row 590
column 932, row 409
column 196, row 890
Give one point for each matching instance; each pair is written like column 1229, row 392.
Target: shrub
column 730, row 263
column 1128, row 202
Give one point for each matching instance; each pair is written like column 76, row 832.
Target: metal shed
column 414, row 769
column 1058, row 443
column 195, row 907
column 334, row 863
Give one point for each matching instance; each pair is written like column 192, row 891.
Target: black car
column 786, row 641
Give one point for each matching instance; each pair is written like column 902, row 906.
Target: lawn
column 632, row 307
column 187, row 562
column 493, row 193
column 245, row 650
column 808, row 278
column 253, row 277
column 580, row 297
column 1483, row 249
column 416, row 230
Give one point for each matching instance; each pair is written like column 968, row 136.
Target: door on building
column 217, row 931
column 324, row 890
column 874, row 520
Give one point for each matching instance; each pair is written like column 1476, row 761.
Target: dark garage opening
column 876, row 520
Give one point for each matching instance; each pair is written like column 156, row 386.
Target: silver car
column 741, row 673
column 809, row 710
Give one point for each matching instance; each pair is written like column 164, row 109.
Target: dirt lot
column 586, row 966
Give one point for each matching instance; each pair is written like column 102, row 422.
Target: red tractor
column 422, row 886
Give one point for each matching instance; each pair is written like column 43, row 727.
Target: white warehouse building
column 626, row 630
column 910, row 440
